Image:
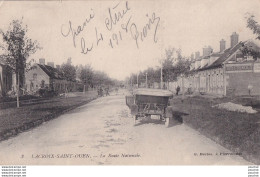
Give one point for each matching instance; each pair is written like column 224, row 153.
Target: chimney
column 222, row 45
column 192, row 57
column 197, row 55
column 207, row 51
column 42, row 61
column 50, row 64
column 58, row 66
column 69, row 61
column 233, row 39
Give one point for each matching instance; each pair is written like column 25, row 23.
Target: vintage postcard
column 130, row 82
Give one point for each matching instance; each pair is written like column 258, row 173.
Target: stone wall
column 213, row 82
column 237, row 83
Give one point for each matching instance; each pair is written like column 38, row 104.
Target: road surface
column 102, row 132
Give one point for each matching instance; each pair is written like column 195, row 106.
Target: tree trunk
column 18, row 90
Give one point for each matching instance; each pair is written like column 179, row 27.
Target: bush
column 44, row 92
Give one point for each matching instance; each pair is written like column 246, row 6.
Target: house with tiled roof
column 231, row 71
column 48, row 77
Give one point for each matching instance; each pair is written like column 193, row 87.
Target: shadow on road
column 176, row 120
column 177, row 115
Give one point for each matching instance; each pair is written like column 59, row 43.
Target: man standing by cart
column 178, row 90
column 250, row 88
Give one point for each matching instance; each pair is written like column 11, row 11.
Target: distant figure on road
column 164, row 86
column 100, row 92
column 116, row 90
column 250, row 88
column 178, row 90
column 107, row 91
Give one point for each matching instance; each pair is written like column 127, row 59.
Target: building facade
column 6, row 80
column 45, row 76
column 228, row 72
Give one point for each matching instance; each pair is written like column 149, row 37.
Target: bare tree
column 253, row 24
column 18, row 47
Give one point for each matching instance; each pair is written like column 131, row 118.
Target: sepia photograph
column 147, row 82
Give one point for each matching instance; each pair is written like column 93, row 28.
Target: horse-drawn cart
column 147, row 102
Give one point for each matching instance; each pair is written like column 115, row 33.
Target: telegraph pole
column 161, row 78
column 137, row 80
column 146, row 81
column 182, row 85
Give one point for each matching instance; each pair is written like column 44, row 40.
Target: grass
column 238, row 132
column 15, row 120
column 24, row 97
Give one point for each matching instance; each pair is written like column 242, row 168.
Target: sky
column 139, row 36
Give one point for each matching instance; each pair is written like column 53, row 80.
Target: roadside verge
column 236, row 131
column 16, row 120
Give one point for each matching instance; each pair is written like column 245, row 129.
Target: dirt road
column 102, row 132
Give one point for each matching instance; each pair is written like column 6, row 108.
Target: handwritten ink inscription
column 67, row 30
column 139, row 36
column 118, row 16
column 115, row 17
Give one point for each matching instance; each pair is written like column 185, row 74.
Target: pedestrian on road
column 107, row 91
column 250, row 88
column 178, row 90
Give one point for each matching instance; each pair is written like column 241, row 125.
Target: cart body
column 147, row 102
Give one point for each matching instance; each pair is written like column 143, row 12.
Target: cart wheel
column 162, row 118
column 167, row 122
column 148, row 117
column 134, row 120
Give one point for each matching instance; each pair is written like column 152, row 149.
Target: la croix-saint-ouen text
column 119, row 15
column 85, row 156
column 59, row 156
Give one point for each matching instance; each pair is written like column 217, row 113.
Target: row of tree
column 17, row 48
column 86, row 75
column 173, row 65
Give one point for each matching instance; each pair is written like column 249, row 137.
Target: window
column 34, row 76
column 42, row 84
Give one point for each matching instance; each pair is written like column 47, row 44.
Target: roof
column 198, row 59
column 206, row 57
column 204, row 66
column 153, row 92
column 216, row 54
column 224, row 56
column 51, row 72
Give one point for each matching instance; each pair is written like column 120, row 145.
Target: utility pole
column 225, row 81
column 182, row 84
column 146, row 81
column 137, row 80
column 161, row 78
